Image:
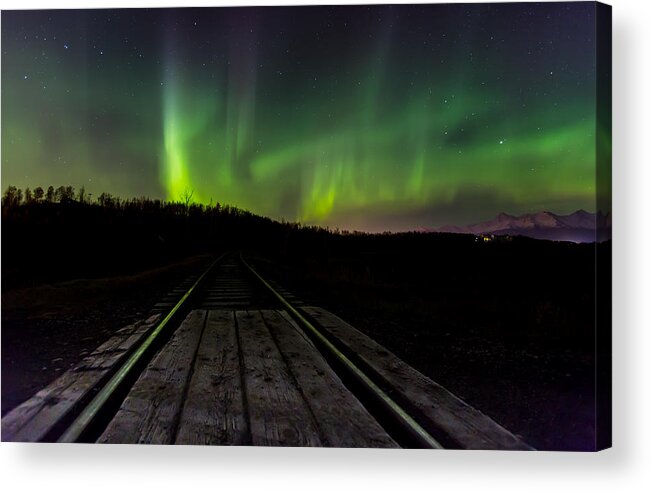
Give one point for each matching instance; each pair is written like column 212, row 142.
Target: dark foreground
column 234, row 373
column 536, row 381
column 507, row 325
column 49, row 328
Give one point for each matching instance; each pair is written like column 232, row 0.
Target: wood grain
column 342, row 419
column 278, row 414
column 32, row 420
column 465, row 426
column 151, row 410
column 213, row 413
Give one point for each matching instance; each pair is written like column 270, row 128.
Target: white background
column 625, row 466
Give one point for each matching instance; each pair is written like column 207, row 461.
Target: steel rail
column 92, row 411
column 418, row 433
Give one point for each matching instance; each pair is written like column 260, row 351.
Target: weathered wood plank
column 33, row 419
column 150, row 412
column 342, row 419
column 213, row 413
column 278, row 414
column 464, row 425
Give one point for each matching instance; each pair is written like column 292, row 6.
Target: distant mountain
column 580, row 226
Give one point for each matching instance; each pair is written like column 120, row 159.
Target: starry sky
column 357, row 117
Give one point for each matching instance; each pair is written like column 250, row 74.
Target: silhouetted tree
column 38, row 194
column 28, row 195
column 49, row 197
column 81, row 195
column 105, row 199
column 69, row 194
column 12, row 197
column 64, row 194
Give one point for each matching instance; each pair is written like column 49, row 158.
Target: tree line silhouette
column 13, row 196
column 61, row 233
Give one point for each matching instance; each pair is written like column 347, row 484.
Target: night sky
column 373, row 118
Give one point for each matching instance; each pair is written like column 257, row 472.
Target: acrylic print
column 378, row 226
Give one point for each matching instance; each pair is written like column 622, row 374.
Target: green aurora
column 368, row 118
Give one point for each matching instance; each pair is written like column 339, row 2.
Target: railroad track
column 230, row 358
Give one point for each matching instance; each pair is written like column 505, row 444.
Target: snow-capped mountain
column 580, row 226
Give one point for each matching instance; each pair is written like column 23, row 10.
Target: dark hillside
column 507, row 323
